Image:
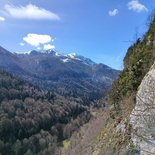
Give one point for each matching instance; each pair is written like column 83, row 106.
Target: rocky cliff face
column 142, row 117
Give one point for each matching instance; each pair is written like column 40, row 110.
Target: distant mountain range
column 66, row 74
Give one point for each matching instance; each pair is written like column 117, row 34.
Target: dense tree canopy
column 34, row 121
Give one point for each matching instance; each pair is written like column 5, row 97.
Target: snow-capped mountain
column 67, row 74
column 63, row 57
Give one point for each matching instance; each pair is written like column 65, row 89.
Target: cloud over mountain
column 48, row 47
column 37, row 39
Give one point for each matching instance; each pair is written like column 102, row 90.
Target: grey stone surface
column 142, row 117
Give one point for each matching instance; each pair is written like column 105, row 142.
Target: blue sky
column 101, row 30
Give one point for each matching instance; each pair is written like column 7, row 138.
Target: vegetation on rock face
column 33, row 121
column 137, row 62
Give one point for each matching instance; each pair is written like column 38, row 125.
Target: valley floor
column 83, row 142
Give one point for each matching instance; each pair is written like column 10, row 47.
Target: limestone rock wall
column 142, row 117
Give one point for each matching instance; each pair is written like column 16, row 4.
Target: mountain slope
column 9, row 61
column 33, row 121
column 69, row 75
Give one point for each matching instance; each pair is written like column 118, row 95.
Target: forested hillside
column 137, row 62
column 33, row 121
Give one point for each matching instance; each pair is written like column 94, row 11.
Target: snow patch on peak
column 65, row 60
column 72, row 55
column 27, row 52
column 57, row 54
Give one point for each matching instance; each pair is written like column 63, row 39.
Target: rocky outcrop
column 142, row 117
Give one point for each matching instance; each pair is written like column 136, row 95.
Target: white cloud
column 113, row 12
column 48, row 47
column 30, row 12
column 21, row 44
column 37, row 39
column 2, row 19
column 135, row 5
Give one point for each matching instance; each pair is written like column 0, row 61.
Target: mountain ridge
column 69, row 56
column 77, row 76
